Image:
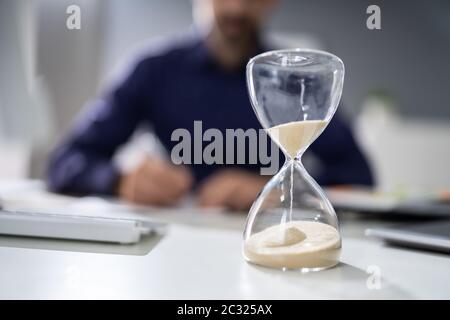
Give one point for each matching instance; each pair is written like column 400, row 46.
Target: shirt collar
column 202, row 57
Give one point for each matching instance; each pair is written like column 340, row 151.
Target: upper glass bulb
column 289, row 86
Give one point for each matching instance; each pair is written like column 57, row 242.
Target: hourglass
column 292, row 224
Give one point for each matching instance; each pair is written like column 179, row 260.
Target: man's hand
column 231, row 188
column 155, row 182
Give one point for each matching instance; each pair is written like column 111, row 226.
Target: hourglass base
column 299, row 269
column 297, row 245
column 303, row 263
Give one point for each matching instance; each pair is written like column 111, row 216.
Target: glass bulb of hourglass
column 291, row 224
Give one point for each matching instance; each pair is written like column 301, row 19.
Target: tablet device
column 430, row 235
column 366, row 201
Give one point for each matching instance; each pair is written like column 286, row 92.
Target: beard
column 236, row 30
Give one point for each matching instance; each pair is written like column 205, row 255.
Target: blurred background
column 396, row 91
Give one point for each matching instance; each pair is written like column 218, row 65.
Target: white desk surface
column 200, row 257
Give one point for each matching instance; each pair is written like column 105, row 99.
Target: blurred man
column 199, row 78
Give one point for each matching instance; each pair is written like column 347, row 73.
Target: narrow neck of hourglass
column 297, row 159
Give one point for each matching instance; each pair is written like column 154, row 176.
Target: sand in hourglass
column 294, row 136
column 295, row 244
